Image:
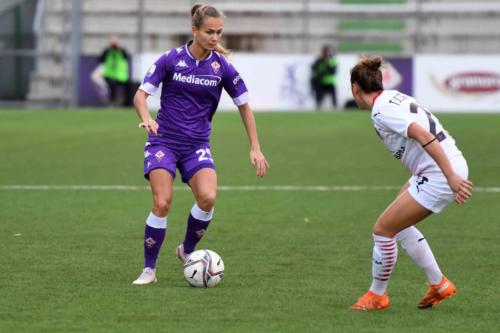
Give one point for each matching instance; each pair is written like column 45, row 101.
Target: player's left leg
column 439, row 287
column 417, row 247
column 204, row 186
column 402, row 213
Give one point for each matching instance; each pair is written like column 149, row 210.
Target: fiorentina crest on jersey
column 215, row 66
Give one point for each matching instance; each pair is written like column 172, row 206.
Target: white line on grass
column 282, row 188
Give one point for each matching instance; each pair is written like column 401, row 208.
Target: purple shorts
column 187, row 158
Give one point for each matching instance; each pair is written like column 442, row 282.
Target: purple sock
column 196, row 228
column 153, row 238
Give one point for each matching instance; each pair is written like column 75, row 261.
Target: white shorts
column 431, row 189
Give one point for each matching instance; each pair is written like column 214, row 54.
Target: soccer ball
column 204, row 268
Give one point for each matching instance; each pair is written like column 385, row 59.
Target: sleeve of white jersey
column 395, row 119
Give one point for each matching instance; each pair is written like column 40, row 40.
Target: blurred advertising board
column 455, row 83
column 278, row 82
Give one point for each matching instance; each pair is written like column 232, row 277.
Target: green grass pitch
column 295, row 260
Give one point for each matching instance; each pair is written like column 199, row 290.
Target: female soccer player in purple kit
column 192, row 78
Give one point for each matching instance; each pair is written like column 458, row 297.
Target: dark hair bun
column 373, row 63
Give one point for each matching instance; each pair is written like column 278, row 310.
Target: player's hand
column 462, row 188
column 259, row 161
column 150, row 125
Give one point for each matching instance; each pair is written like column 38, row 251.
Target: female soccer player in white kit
column 439, row 175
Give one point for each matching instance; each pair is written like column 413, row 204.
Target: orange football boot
column 436, row 293
column 371, row 301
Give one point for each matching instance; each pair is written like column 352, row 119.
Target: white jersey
column 392, row 113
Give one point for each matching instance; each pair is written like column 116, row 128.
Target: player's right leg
column 161, row 182
column 437, row 292
column 439, row 287
column 417, row 247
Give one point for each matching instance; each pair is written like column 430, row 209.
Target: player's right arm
column 141, row 107
column 460, row 186
column 155, row 75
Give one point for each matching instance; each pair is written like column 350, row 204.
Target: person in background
column 192, row 76
column 324, row 77
column 415, row 137
column 115, row 70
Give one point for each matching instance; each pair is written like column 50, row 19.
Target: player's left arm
column 461, row 186
column 257, row 158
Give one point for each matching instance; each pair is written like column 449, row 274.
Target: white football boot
column 180, row 254
column 147, row 276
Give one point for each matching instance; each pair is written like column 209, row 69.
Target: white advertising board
column 457, row 83
column 275, row 82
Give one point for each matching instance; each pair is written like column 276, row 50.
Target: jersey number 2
column 432, row 124
column 205, row 155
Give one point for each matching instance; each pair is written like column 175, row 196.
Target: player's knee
column 381, row 230
column 206, row 201
column 162, row 206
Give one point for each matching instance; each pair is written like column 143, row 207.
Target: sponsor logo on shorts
column 421, row 181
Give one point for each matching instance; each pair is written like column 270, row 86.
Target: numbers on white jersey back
column 414, row 108
column 204, row 155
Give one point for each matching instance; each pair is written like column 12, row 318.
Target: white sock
column 200, row 214
column 418, row 249
column 385, row 254
column 156, row 222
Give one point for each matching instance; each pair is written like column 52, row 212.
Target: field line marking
column 279, row 188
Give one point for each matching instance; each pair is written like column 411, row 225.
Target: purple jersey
column 191, row 91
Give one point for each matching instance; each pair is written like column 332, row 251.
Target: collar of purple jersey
column 186, row 47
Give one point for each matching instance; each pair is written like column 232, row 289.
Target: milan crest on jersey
column 215, row 66
column 182, row 64
column 159, row 155
column 150, row 242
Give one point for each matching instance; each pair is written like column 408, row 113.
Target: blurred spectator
column 114, row 69
column 324, row 77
